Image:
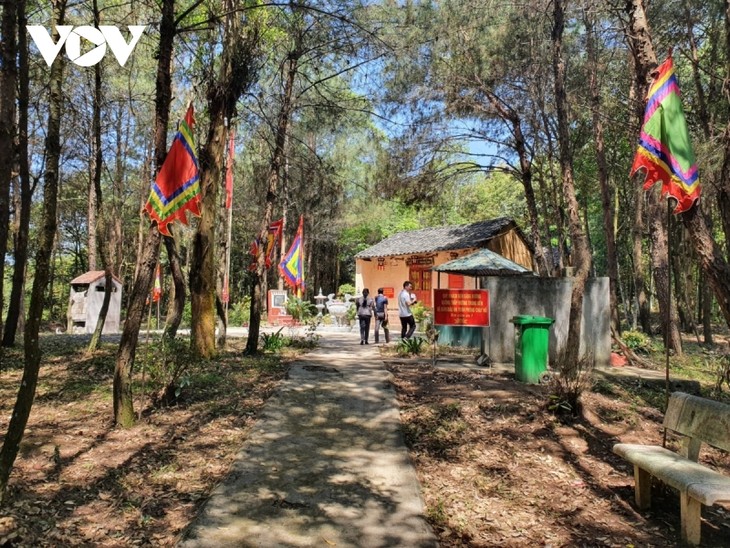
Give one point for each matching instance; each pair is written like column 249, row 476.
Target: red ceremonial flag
column 177, row 186
column 229, row 170
column 157, row 289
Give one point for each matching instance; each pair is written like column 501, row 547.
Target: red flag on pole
column 157, row 289
column 177, row 186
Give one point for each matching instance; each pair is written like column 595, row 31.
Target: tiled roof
column 442, row 238
column 483, row 262
column 90, row 277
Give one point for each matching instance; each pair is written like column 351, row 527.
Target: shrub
column 637, row 341
column 299, row 309
column 168, row 365
column 345, row 289
column 273, row 342
column 351, row 313
column 420, row 312
column 413, row 346
column 240, row 312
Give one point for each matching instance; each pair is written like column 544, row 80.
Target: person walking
column 365, row 306
column 381, row 316
column 405, row 300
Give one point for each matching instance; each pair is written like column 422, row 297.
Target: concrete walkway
column 325, row 464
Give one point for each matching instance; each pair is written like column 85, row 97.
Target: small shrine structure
column 85, row 300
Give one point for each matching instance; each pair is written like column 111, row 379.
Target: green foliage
column 240, row 312
column 299, row 309
column 637, row 341
column 168, row 364
column 310, row 339
column 346, row 289
column 496, row 195
column 187, row 315
column 351, row 314
column 413, row 346
column 420, row 312
column 559, row 405
column 273, row 342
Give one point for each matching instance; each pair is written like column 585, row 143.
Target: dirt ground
column 497, row 468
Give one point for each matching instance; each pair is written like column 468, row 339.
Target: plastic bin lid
column 527, row 319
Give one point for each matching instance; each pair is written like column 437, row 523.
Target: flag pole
column 668, row 319
column 226, row 280
column 228, row 261
column 300, row 293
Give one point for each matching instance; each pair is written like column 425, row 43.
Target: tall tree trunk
column 642, row 63
column 224, row 220
column 235, row 76
column 95, row 221
column 26, row 392
column 659, row 236
column 150, row 250
column 711, row 258
column 706, row 311
column 122, row 390
column 637, row 254
column 645, row 62
column 15, row 309
column 713, row 264
column 607, row 190
column 178, row 293
column 581, row 253
column 272, row 183
column 723, row 188
column 8, row 79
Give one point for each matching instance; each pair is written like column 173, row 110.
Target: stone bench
column 696, row 420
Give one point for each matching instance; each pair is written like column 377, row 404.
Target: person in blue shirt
column 381, row 316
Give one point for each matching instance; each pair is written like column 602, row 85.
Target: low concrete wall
column 509, row 297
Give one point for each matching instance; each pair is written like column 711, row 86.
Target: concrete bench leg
column 642, row 494
column 691, row 512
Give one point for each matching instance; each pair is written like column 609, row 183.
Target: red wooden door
column 420, row 277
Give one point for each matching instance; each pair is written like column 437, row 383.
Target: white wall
column 94, row 300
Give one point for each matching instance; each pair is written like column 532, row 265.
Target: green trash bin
column 531, row 347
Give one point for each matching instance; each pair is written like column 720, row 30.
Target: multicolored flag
column 177, row 186
column 665, row 150
column 273, row 236
column 229, row 170
column 157, row 289
column 292, row 265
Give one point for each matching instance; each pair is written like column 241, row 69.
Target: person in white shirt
column 405, row 301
